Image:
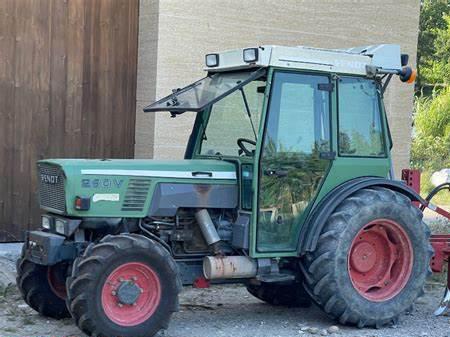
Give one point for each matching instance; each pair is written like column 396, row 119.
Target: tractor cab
column 283, row 115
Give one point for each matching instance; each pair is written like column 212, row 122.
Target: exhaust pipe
column 207, row 227
column 225, row 267
column 222, row 267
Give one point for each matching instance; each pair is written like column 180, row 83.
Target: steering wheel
column 240, row 143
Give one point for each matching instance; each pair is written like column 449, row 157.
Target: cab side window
column 360, row 127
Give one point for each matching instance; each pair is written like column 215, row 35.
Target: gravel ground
column 224, row 311
column 231, row 311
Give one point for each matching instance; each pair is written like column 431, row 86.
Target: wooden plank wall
column 67, row 89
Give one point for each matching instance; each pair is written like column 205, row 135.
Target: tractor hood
column 123, row 187
column 175, row 169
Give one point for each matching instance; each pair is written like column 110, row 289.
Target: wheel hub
column 363, row 257
column 56, row 276
column 380, row 260
column 128, row 292
column 131, row 294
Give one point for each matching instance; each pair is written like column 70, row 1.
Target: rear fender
column 316, row 220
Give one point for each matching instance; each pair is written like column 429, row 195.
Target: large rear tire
column 127, row 285
column 42, row 287
column 371, row 260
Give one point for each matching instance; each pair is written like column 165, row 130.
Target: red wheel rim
column 380, row 260
column 56, row 281
column 145, row 280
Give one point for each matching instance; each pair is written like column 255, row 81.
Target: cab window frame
column 202, row 119
column 258, row 165
column 381, row 115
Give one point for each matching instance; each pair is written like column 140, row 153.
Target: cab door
column 294, row 157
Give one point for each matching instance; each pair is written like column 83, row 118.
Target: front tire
column 371, row 260
column 127, row 285
column 42, row 287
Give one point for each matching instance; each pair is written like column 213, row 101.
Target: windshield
column 198, row 95
column 230, row 120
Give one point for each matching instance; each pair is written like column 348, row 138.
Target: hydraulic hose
column 435, row 191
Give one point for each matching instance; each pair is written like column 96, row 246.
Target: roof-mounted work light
column 212, row 60
column 250, row 55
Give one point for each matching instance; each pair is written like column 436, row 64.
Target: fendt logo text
column 49, row 179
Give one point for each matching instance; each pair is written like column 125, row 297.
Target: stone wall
column 175, row 35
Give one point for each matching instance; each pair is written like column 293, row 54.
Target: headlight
column 250, row 55
column 46, row 222
column 60, row 226
column 212, row 60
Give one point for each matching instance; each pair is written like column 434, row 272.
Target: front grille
column 51, row 188
column 136, row 194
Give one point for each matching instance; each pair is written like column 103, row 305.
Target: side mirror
column 404, row 59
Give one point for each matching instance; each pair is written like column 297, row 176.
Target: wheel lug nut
column 114, row 293
column 120, row 305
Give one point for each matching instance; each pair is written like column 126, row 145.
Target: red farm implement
column 440, row 242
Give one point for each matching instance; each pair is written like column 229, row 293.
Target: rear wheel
column 43, row 287
column 289, row 295
column 371, row 260
column 127, row 285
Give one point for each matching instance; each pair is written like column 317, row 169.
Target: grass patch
column 10, row 329
column 442, row 199
column 439, row 277
column 6, row 291
column 28, row 321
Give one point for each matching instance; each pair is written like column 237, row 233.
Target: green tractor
column 287, row 186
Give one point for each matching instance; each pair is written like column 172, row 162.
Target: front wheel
column 371, row 260
column 127, row 285
column 43, row 287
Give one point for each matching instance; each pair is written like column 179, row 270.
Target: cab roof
column 355, row 60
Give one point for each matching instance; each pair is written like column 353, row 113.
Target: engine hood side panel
column 168, row 197
column 126, row 188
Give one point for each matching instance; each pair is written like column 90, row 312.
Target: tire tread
column 318, row 271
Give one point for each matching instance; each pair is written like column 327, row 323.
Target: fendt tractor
column 287, row 187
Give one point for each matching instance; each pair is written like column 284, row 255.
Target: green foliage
column 431, row 142
column 435, row 68
column 431, row 18
column 434, row 42
column 433, row 118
